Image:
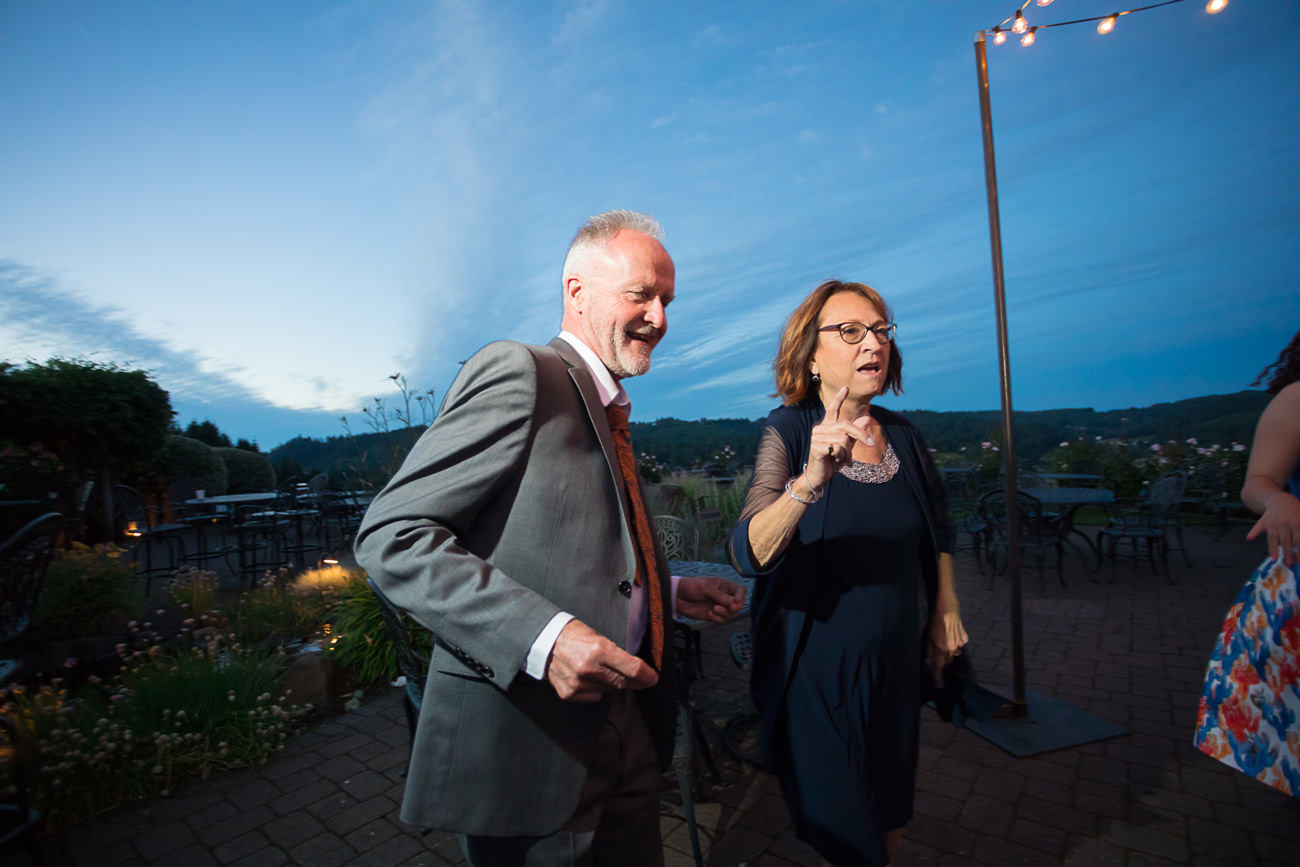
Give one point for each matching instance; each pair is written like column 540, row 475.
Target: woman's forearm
column 771, row 530
column 1258, row 491
column 947, row 596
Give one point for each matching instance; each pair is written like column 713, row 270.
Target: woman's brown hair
column 1285, row 370
column 799, row 343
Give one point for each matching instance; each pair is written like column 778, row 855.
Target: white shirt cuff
column 535, row 664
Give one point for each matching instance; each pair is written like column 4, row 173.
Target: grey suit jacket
column 508, row 509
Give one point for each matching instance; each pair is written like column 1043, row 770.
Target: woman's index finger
column 833, row 408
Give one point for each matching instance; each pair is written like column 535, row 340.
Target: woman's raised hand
column 831, row 445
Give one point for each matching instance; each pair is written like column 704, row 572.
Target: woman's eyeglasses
column 854, row 332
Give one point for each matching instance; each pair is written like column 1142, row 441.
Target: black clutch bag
column 959, row 696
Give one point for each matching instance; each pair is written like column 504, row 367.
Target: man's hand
column 584, row 665
column 710, row 598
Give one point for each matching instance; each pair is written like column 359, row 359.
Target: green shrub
column 164, row 719
column 358, row 638
column 187, row 458
column 82, row 587
column 246, row 471
column 275, row 614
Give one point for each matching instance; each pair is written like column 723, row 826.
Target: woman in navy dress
column 844, row 526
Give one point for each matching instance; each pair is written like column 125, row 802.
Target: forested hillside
column 677, row 443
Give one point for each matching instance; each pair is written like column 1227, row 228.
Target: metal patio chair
column 140, row 528
column 1151, row 522
column 24, row 559
column 1038, row 534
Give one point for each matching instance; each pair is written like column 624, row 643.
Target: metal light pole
column 1049, row 724
column 1021, row 707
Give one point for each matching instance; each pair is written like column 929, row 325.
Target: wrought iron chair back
column 24, row 559
column 1156, row 514
column 138, row 527
column 1038, row 533
column 680, row 540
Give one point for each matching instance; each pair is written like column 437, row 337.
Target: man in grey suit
column 509, row 532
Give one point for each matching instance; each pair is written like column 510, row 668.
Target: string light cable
column 1019, row 25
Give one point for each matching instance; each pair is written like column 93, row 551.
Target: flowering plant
column 165, row 717
column 649, row 468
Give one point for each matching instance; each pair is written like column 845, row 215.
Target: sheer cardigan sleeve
column 771, row 472
column 772, row 469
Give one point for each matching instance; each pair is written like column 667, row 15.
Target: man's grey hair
column 597, row 230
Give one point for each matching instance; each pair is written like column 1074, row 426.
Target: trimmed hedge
column 247, row 471
column 183, row 457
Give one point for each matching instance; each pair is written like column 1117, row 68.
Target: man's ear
column 573, row 293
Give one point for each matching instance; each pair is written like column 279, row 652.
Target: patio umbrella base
column 1047, row 725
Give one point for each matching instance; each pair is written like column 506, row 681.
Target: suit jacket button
column 625, row 587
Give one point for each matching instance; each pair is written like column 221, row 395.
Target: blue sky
column 274, row 206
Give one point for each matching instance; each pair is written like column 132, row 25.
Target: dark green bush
column 82, row 587
column 247, row 471
column 187, row 458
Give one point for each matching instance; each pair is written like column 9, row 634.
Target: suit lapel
column 595, row 412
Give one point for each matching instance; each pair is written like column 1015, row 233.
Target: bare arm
column 947, row 634
column 1273, row 457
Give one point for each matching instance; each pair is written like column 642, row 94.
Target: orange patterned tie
column 647, row 570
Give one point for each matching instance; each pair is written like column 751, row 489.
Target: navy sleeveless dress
column 837, row 631
column 846, row 746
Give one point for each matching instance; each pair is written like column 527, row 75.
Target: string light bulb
column 999, row 36
column 1044, row 2
column 1028, row 39
column 1020, row 25
column 1107, row 24
column 1215, row 6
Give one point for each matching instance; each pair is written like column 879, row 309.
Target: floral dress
column 1249, row 716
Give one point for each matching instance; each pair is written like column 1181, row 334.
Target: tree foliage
column 206, row 432
column 679, row 444
column 98, row 418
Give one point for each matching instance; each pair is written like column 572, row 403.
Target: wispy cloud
column 54, row 322
column 580, row 20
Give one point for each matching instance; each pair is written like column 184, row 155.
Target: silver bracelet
column 816, row 494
